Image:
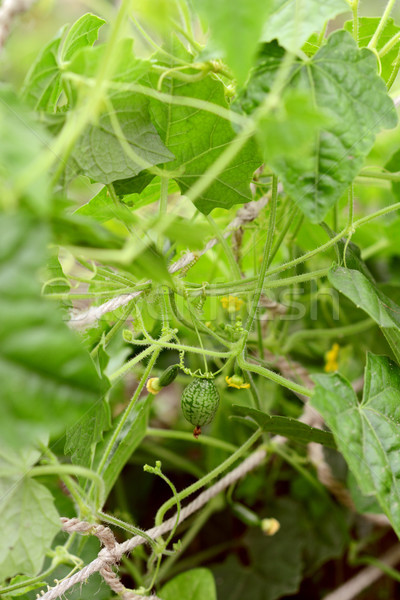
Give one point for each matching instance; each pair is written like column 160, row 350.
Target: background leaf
column 28, row 515
column 292, row 22
column 48, row 378
column 197, row 138
column 83, row 436
column 236, row 30
column 317, row 181
column 196, row 584
column 363, row 291
column 99, row 153
column 42, row 86
column 367, row 433
column 275, row 564
column 22, row 139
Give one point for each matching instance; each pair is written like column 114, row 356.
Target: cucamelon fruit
column 200, row 400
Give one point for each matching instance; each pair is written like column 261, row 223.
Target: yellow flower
column 231, row 303
column 270, row 526
column 331, row 359
column 152, row 385
column 237, row 382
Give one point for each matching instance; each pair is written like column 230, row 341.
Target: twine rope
column 112, row 551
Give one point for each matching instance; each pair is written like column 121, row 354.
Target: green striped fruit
column 168, row 376
column 200, row 400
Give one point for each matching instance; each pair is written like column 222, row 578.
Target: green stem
column 166, row 455
column 114, row 329
column 265, row 261
column 354, row 9
column 76, row 470
column 32, row 580
column 385, row 175
column 260, row 341
column 136, row 88
column 304, row 257
column 382, row 24
column 195, row 527
column 379, row 564
column 395, row 70
column 322, row 34
column 351, row 206
column 290, row 385
column 131, row 406
column 296, row 279
column 106, row 518
column 181, row 319
column 378, row 213
column 133, row 571
column 163, row 206
column 291, row 217
column 389, row 45
column 188, row 437
column 228, row 250
column 338, row 332
column 154, row 44
column 155, row 347
column 179, row 347
column 207, row 478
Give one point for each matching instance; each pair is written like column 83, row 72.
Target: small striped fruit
column 200, row 400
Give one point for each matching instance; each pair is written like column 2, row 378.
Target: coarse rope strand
column 248, row 212
column 113, row 551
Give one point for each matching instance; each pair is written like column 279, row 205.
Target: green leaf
column 236, row 30
column 366, row 29
column 129, row 438
column 367, row 432
column 99, row 153
column 196, row 584
column 365, row 295
column 317, row 180
column 102, row 208
column 291, row 127
column 363, row 291
column 136, row 198
column 292, row 22
column 84, row 435
column 28, row 515
column 48, row 378
column 197, row 138
column 286, row 426
column 56, row 282
column 363, row 504
column 42, row 86
column 83, row 33
column 123, row 141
